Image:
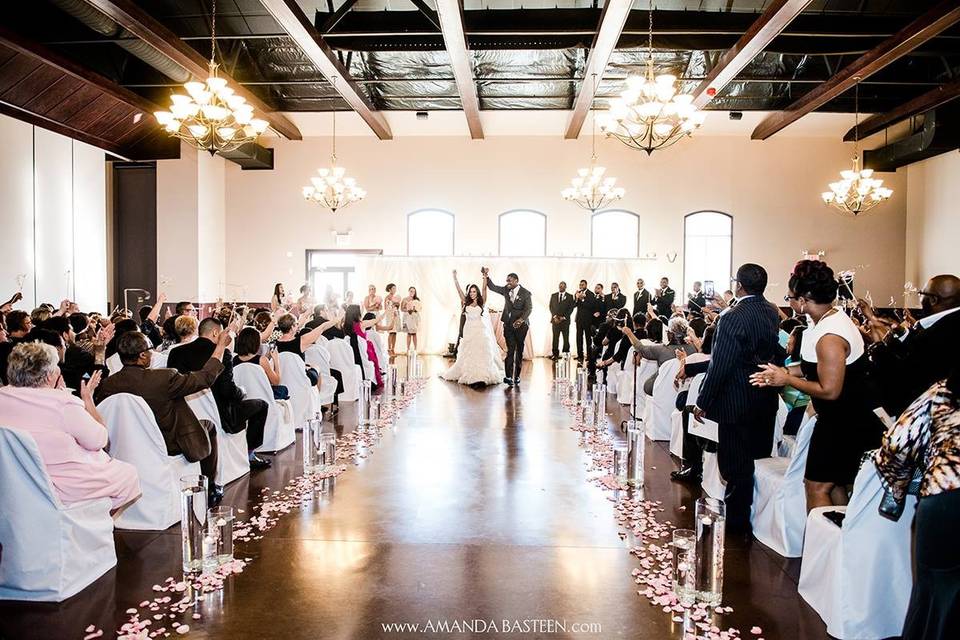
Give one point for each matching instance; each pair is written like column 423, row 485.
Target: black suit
column 746, row 336
column 561, row 308
column 664, row 302
column 515, row 309
column 905, row 369
column 696, row 302
column 614, row 302
column 584, row 307
column 641, row 300
column 236, row 411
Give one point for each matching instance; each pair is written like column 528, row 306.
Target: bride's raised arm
column 463, row 297
column 483, row 290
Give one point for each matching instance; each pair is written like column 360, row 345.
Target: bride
column 478, row 358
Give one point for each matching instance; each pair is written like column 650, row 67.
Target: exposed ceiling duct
column 940, row 134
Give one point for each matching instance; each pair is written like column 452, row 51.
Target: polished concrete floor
column 477, row 507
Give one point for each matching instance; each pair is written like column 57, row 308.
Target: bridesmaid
column 372, row 303
column 391, row 317
column 411, row 307
column 276, row 301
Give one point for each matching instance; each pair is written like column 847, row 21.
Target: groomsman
column 696, row 300
column 641, row 298
column 663, row 299
column 561, row 307
column 583, row 301
column 599, row 306
column 615, row 299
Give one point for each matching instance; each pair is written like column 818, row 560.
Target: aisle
column 477, row 508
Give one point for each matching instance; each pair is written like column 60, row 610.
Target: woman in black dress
column 833, row 371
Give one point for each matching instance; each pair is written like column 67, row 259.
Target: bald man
column 907, row 363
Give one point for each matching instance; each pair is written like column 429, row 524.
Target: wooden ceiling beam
column 450, row 15
column 942, row 16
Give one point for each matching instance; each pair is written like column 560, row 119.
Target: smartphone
column 708, row 289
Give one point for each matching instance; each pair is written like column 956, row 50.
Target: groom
column 516, row 310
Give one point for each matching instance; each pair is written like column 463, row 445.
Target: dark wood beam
column 127, row 14
column 337, row 16
column 450, row 13
column 612, row 19
column 428, row 13
column 292, row 19
column 921, row 104
column 775, row 18
column 942, row 16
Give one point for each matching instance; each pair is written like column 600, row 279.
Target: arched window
column 523, row 233
column 430, row 233
column 615, row 234
column 707, row 250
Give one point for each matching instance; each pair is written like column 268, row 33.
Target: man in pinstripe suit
column 746, row 336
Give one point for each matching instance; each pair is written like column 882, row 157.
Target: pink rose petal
column 756, row 630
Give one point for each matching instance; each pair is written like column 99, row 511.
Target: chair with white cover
column 626, row 379
column 318, row 357
column 642, row 400
column 676, row 416
column 51, row 550
column 341, row 359
column 368, row 371
column 233, row 461
column 712, row 484
column 113, row 364
column 858, row 577
column 664, row 400
column 303, row 395
column 377, row 340
column 135, row 438
column 279, row 432
column 779, row 515
column 782, row 411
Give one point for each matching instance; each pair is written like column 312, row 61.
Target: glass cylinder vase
column 635, row 453
column 583, row 387
column 684, row 566
column 328, row 452
column 220, row 521
column 711, row 515
column 620, row 463
column 309, row 445
column 193, row 515
column 366, row 395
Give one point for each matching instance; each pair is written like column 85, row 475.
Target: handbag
column 891, row 508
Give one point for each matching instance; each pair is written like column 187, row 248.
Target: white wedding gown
column 478, row 358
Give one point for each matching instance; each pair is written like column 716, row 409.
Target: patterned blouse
column 926, row 438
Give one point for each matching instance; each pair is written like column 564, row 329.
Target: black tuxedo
column 236, row 411
column 696, row 302
column 641, row 300
column 746, row 337
column 561, row 308
column 664, row 302
column 584, row 321
column 518, row 308
column 614, row 302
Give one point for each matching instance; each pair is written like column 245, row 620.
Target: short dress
column 391, row 314
column 411, row 317
column 846, row 428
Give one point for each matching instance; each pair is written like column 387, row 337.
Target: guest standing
column 663, row 299
column 696, row 300
column 276, row 300
column 584, row 301
column 391, row 317
column 641, row 299
column 411, row 307
column 615, row 299
column 746, row 336
column 372, row 303
column 835, row 376
column 926, row 438
column 561, row 308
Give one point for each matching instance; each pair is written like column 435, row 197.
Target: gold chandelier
column 211, row 117
column 650, row 114
column 332, row 188
column 590, row 189
column 857, row 191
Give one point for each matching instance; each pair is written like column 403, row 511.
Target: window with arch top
column 430, row 232
column 707, row 250
column 523, row 233
column 614, row 233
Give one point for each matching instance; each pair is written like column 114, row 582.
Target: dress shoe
column 215, row 496
column 508, row 382
column 256, row 462
column 687, row 474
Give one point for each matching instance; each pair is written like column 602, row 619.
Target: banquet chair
column 676, row 415
column 303, row 396
column 377, row 340
column 626, row 379
column 661, row 404
column 858, row 577
column 647, row 368
column 779, row 514
column 368, row 372
column 279, row 432
column 318, row 357
column 51, row 550
column 135, row 438
column 341, row 359
column 782, row 411
column 233, row 461
column 712, row 483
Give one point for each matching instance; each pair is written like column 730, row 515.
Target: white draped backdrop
column 433, row 279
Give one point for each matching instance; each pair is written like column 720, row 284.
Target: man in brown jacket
column 165, row 392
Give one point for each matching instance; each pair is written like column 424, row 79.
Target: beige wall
column 933, row 217
column 771, row 188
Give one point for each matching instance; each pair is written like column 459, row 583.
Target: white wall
column 53, row 214
column 933, row 217
column 771, row 188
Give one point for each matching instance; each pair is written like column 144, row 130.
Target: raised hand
column 87, row 388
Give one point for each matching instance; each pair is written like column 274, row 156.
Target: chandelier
column 211, row 117
column 331, row 188
column 857, row 191
column 590, row 189
column 650, row 114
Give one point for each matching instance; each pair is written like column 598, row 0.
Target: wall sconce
column 806, row 255
column 671, row 256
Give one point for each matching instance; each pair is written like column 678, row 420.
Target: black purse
column 891, row 508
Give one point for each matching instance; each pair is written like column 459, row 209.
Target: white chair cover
column 135, row 438
column 368, row 371
column 712, row 484
column 50, row 550
column 378, row 347
column 707, row 429
column 318, row 357
column 782, row 411
column 664, row 399
column 341, row 359
column 158, row 360
column 647, row 369
column 625, row 383
column 303, row 395
column 113, row 363
column 676, row 424
column 233, row 461
column 788, row 445
column 858, row 578
column 779, row 514
column 279, row 431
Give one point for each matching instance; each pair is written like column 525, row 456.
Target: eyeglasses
column 929, row 294
column 789, row 298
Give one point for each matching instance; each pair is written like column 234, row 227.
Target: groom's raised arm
column 495, row 288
